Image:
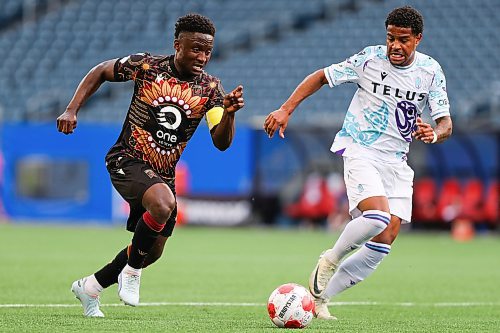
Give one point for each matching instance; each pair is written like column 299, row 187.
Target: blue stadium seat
column 59, row 48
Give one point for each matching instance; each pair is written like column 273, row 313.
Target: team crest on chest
column 406, row 119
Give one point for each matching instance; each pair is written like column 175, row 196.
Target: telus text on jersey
column 396, row 92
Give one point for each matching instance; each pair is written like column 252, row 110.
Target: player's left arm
column 439, row 133
column 223, row 130
column 439, row 107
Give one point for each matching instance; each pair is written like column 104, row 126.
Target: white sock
column 356, row 268
column 131, row 270
column 91, row 286
column 357, row 232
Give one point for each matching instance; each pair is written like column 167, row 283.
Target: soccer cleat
column 320, row 276
column 90, row 303
column 128, row 287
column 321, row 309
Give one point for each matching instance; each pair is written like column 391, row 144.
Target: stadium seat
column 45, row 45
column 450, row 200
column 425, row 200
column 491, row 205
column 472, row 207
column 316, row 202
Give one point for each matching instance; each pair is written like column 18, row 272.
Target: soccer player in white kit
column 395, row 84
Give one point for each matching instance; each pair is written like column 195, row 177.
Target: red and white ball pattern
column 291, row 306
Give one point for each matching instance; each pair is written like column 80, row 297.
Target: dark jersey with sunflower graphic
column 164, row 111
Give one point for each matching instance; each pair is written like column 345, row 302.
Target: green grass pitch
column 218, row 280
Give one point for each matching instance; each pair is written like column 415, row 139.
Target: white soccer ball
column 291, row 306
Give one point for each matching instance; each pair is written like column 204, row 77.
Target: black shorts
column 131, row 178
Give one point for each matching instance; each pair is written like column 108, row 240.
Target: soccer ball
column 291, row 306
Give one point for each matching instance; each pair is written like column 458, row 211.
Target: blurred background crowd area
column 268, row 47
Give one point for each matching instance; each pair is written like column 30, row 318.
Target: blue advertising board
column 49, row 175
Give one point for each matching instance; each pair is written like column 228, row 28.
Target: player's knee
column 159, row 201
column 162, row 208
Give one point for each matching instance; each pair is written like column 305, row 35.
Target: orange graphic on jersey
column 161, row 159
column 173, row 92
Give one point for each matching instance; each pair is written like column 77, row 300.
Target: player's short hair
column 406, row 17
column 194, row 23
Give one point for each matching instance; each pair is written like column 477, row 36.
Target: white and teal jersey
column 383, row 112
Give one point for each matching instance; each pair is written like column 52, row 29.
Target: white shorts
column 366, row 178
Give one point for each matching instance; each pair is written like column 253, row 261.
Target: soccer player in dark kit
column 171, row 96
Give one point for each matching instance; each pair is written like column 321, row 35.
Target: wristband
column 435, row 137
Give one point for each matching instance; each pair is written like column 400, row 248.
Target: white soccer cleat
column 128, row 286
column 321, row 309
column 320, row 276
column 90, row 303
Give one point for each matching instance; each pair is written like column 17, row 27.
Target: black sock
column 108, row 275
column 142, row 242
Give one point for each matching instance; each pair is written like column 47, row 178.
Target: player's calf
column 145, row 236
column 356, row 268
column 356, row 233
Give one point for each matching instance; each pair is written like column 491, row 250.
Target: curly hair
column 194, row 23
column 406, row 17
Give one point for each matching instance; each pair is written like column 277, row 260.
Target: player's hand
column 276, row 119
column 424, row 131
column 234, row 100
column 66, row 122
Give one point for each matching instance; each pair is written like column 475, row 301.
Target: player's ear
column 176, row 44
column 418, row 38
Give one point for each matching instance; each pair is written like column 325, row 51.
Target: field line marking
column 397, row 304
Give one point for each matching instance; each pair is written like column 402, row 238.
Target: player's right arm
column 279, row 118
column 66, row 122
column 350, row 70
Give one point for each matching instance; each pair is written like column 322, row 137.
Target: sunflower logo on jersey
column 173, row 103
column 171, row 92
